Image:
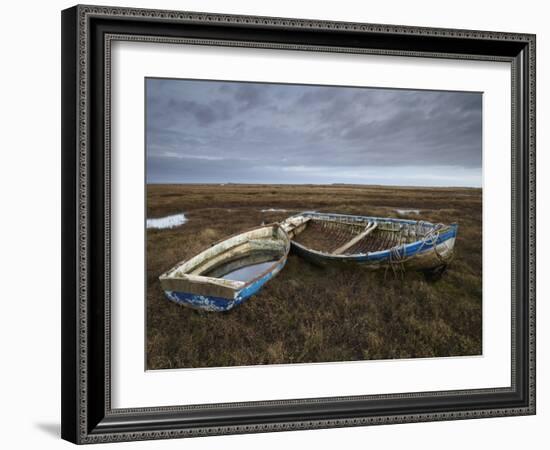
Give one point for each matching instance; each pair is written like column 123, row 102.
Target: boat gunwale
column 242, row 285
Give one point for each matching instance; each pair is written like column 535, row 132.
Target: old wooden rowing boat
column 373, row 242
column 229, row 272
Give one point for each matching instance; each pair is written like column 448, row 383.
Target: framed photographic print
column 267, row 222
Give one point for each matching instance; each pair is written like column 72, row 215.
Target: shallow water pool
column 166, row 222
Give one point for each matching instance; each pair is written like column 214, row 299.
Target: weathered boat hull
column 219, row 304
column 197, row 283
column 434, row 249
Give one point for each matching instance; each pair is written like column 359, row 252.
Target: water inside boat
column 246, row 268
column 248, row 273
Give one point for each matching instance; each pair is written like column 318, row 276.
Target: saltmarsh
column 307, row 313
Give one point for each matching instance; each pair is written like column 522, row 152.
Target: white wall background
column 30, row 223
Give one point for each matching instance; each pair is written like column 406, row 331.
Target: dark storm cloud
column 204, row 115
column 205, row 131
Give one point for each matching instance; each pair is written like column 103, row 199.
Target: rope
column 431, row 238
column 398, row 255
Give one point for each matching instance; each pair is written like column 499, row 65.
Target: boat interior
column 239, row 258
column 341, row 236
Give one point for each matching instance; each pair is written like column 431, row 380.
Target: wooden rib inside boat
column 373, row 241
column 347, row 238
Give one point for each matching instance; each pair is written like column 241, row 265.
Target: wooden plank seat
column 371, row 226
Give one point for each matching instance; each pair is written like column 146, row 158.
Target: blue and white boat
column 372, row 242
column 230, row 271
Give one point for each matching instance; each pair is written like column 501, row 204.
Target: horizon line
column 319, row 184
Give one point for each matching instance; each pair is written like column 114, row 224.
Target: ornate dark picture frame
column 87, row 34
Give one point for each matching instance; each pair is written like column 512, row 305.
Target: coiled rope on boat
column 398, row 255
column 397, row 260
column 431, row 238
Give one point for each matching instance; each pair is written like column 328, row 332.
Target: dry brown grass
column 307, row 313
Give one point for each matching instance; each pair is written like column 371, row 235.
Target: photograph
column 293, row 223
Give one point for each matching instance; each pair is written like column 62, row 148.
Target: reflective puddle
column 274, row 210
column 166, row 222
column 404, row 212
column 246, row 268
column 248, row 273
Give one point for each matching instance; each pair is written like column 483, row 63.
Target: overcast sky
column 221, row 132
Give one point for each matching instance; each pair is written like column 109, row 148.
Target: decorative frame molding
column 87, row 34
